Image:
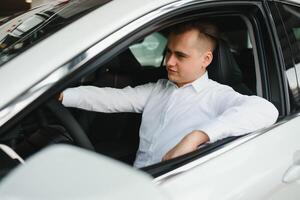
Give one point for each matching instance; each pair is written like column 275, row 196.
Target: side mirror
column 67, row 172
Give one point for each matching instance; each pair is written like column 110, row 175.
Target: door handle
column 293, row 172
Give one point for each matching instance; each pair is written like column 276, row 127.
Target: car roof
column 28, row 68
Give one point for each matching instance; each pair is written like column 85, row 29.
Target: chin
column 174, row 80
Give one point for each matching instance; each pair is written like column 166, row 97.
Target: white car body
column 262, row 165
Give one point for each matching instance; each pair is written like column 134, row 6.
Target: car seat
column 114, row 134
column 225, row 70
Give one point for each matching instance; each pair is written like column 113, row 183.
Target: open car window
column 130, row 67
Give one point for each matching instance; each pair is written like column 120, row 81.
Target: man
column 185, row 111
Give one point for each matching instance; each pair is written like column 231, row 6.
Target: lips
column 171, row 70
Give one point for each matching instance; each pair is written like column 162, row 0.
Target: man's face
column 187, row 57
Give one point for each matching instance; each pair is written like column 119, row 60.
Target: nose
column 170, row 60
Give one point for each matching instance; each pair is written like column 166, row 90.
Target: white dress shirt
column 170, row 113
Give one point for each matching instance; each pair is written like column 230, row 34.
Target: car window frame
column 289, row 57
column 278, row 61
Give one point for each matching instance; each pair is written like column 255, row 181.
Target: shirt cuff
column 70, row 97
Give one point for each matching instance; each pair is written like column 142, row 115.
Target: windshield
column 23, row 31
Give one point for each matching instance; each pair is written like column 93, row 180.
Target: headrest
column 223, row 67
column 123, row 63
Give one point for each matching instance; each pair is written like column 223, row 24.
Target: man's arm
column 239, row 114
column 188, row 144
column 108, row 100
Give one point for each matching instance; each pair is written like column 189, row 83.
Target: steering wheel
column 70, row 123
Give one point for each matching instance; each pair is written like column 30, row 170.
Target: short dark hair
column 205, row 29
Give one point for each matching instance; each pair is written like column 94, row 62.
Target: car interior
column 117, row 134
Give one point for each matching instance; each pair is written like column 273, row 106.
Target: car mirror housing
column 68, row 172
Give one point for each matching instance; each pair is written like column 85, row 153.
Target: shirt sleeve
column 108, row 100
column 239, row 114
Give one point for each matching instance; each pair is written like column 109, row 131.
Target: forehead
column 184, row 41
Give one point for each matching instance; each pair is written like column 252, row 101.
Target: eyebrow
column 178, row 53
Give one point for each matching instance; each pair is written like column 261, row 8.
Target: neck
column 182, row 84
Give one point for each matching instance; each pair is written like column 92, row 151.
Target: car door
column 264, row 164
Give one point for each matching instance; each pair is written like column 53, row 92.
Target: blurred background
column 10, row 7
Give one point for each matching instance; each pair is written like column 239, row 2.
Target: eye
column 180, row 55
column 168, row 52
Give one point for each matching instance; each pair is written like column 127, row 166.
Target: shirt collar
column 199, row 84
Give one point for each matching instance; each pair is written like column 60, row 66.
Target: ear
column 208, row 56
